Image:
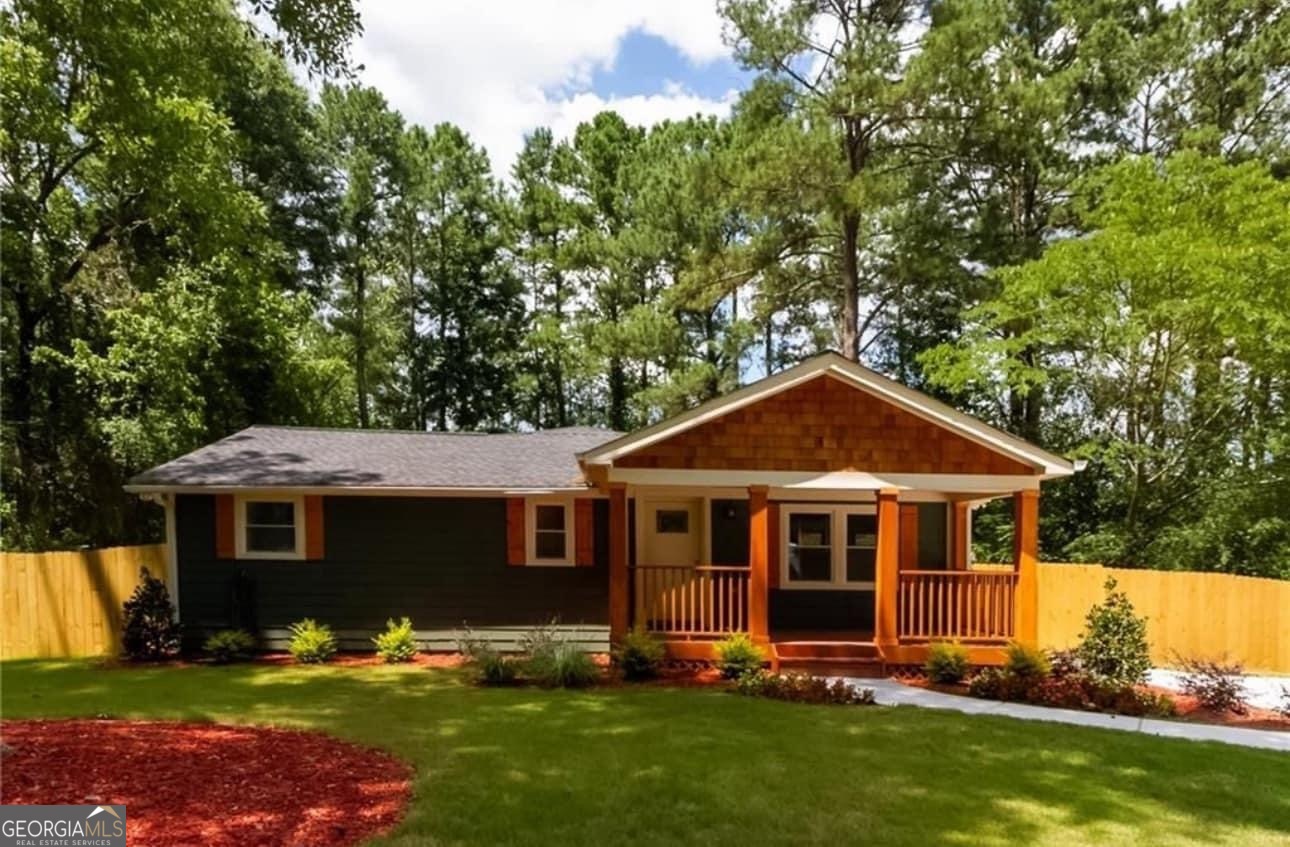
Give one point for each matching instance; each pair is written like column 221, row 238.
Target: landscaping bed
column 202, row 783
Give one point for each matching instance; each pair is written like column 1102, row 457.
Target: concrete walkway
column 888, row 692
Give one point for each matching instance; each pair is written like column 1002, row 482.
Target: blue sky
column 501, row 69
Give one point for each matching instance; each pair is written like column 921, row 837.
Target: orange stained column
column 618, row 617
column 960, row 540
column 758, row 563
column 1025, row 549
column 887, row 571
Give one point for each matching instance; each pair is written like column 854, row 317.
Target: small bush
column 738, row 654
column 998, row 684
column 487, row 665
column 1216, row 686
column 555, row 663
column 1114, row 644
column 1063, row 663
column 947, row 662
column 311, row 642
column 398, row 643
column 639, row 654
column 1025, row 661
column 150, row 632
column 1128, row 700
column 229, row 645
column 802, row 688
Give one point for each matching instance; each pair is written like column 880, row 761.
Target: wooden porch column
column 1025, row 549
column 618, row 575
column 758, row 563
column 887, row 569
column 960, row 542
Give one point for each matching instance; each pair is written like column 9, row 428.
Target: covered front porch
column 847, row 574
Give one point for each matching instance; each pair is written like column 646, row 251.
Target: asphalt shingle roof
column 278, row 456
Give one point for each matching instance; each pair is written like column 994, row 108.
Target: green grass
column 672, row 766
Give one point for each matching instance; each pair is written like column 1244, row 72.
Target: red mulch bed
column 1188, row 708
column 187, row 783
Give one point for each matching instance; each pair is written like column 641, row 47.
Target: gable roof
column 302, row 457
column 833, row 365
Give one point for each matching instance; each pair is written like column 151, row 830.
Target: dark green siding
column 440, row 561
column 931, row 536
column 798, row 608
column 730, row 532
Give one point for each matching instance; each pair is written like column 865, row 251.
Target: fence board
column 69, row 603
column 1203, row 615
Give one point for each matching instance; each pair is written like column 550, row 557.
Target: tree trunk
column 849, row 330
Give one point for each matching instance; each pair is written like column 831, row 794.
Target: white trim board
column 833, row 480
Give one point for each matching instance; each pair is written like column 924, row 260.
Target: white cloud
column 503, row 68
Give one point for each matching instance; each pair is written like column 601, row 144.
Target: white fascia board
column 835, row 480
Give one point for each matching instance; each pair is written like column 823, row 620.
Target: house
column 825, row 510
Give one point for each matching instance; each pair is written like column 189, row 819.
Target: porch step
column 831, row 658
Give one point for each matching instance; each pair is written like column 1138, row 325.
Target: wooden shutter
column 515, row 531
column 225, row 531
column 772, row 564
column 313, row 527
column 908, row 536
column 584, row 532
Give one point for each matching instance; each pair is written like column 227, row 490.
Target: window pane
column 550, row 517
column 809, row 530
column 860, row 564
column 813, row 564
column 672, row 520
column 862, row 530
column 271, row 539
column 549, row 545
column 270, row 513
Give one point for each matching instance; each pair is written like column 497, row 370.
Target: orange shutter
column 313, row 527
column 584, row 533
column 908, row 536
column 225, row 542
column 772, row 575
column 515, row 531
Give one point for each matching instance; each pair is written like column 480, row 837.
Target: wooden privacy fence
column 56, row 605
column 1201, row 615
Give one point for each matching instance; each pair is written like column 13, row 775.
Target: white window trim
column 530, row 532
column 837, row 543
column 239, row 514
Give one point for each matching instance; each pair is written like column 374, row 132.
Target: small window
column 270, row 528
column 550, row 534
column 829, row 547
column 810, row 551
column 675, row 521
column 862, row 547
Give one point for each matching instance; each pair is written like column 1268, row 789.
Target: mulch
column 195, row 783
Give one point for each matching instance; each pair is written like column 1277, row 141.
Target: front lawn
column 689, row 766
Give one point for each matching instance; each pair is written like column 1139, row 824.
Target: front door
column 672, row 532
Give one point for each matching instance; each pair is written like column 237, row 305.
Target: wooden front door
column 672, row 532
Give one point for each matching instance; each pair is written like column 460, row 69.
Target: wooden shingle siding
column 823, row 425
column 440, row 561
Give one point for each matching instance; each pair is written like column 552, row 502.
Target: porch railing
column 962, row 605
column 685, row 601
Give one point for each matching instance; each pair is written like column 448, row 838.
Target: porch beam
column 758, row 563
column 618, row 588
column 960, row 540
column 887, row 570
column 1025, row 549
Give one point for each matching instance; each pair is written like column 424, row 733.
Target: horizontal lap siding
column 440, row 561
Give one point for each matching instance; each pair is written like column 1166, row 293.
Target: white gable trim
column 858, row 376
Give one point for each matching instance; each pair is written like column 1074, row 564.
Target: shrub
column 1128, row 700
column 311, row 642
column 229, row 645
column 488, row 665
column 1216, row 686
column 398, row 643
column 1114, row 644
column 947, row 662
column 150, row 631
column 802, row 688
column 1063, row 663
column 639, row 654
column 999, row 684
column 1026, row 662
column 555, row 663
column 738, row 654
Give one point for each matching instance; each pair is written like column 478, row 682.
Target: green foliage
column 639, row 654
column 803, row 688
column 149, row 631
column 1218, row 686
column 229, row 645
column 1070, row 690
column 1114, row 646
column 553, row 662
column 947, row 662
column 1024, row 660
column 738, row 654
column 487, row 665
column 311, row 642
column 398, row 643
